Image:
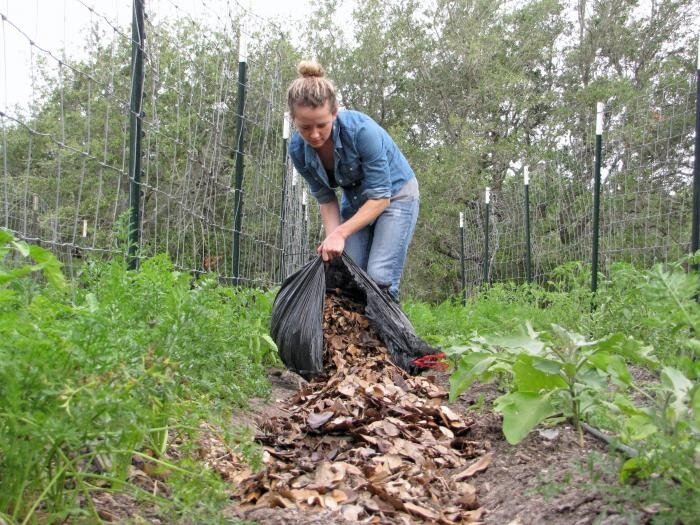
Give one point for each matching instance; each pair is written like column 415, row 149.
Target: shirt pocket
column 350, row 175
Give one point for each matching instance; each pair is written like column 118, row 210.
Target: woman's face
column 314, row 124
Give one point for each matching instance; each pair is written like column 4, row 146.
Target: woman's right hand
column 332, row 246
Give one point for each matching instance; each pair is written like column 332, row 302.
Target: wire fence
column 66, row 151
column 646, row 195
column 217, row 192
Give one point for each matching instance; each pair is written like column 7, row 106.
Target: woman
column 377, row 214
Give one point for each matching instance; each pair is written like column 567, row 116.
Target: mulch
column 365, row 442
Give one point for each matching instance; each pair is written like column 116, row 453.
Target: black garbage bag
column 297, row 317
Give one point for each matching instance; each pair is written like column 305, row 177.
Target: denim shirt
column 368, row 164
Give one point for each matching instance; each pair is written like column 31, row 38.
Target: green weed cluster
column 120, row 366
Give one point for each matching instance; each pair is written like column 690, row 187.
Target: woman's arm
column 334, row 243
column 330, row 215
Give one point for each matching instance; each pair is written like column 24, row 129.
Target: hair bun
column 309, row 69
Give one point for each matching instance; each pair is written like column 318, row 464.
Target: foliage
column 134, row 361
column 555, row 372
column 470, row 92
column 499, row 308
column 658, row 306
column 552, row 373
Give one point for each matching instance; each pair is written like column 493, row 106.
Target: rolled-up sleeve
column 375, row 165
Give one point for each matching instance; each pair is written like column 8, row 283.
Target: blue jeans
column 380, row 248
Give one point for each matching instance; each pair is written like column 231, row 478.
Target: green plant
column 658, row 306
column 552, row 373
column 666, row 429
column 133, row 361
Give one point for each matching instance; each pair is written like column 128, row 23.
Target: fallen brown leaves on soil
column 367, row 440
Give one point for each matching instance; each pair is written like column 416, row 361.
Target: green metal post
column 283, row 213
column 487, row 200
column 461, row 257
column 695, row 239
column 238, row 180
column 528, row 242
column 304, row 224
column 596, row 195
column 135, row 122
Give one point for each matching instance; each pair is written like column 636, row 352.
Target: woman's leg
column 391, row 236
column 357, row 246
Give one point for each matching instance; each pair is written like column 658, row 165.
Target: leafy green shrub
column 657, row 306
column 552, row 373
column 500, row 308
column 135, row 359
column 559, row 372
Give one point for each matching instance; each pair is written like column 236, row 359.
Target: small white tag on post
column 295, row 176
column 35, row 202
column 526, row 175
column 600, row 110
column 84, row 227
column 285, row 128
column 487, row 195
column 461, row 220
column 304, row 206
column 242, row 47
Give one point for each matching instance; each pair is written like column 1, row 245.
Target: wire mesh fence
column 205, row 128
column 66, row 153
column 645, row 200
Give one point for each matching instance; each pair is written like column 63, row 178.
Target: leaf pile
column 366, row 440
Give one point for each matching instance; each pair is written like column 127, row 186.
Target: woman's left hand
column 332, row 246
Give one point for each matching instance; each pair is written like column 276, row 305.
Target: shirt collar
column 335, row 132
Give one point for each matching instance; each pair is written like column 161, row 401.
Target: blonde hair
column 311, row 88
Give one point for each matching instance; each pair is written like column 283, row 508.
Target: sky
column 60, row 26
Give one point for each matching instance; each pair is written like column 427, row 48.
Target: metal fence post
column 487, row 201
column 461, row 257
column 528, row 241
column 135, row 122
column 238, row 181
column 695, row 240
column 283, row 213
column 304, row 224
column 600, row 109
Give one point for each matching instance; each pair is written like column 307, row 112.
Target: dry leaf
column 392, row 461
column 422, row 512
column 317, row 420
column 327, row 474
column 467, row 498
column 391, row 431
column 479, row 465
column 378, row 473
column 474, row 515
column 347, row 389
column 351, row 512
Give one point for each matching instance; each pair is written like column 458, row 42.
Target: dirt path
column 548, row 478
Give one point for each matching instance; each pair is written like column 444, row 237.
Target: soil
column 548, row 478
